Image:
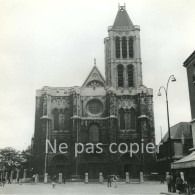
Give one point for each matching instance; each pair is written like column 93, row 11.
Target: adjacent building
column 115, row 109
column 189, row 64
column 181, row 142
column 186, row 165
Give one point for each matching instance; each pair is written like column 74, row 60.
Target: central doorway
column 59, row 164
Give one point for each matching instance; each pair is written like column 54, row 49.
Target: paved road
column 81, row 188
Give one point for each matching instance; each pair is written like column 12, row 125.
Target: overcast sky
column 54, row 42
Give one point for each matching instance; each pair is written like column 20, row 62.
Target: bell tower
column 122, row 53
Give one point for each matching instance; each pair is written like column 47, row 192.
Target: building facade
column 117, row 109
column 181, row 142
column 189, row 64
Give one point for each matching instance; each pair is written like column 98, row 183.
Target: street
column 81, row 188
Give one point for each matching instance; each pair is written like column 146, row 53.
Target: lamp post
column 47, row 119
column 183, row 142
column 172, row 78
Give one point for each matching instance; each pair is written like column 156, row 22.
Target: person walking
column 64, row 179
column 168, row 180
column 173, row 182
column 179, row 183
column 109, row 181
column 9, row 181
column 162, row 179
column 115, row 180
column 3, row 181
column 54, row 181
column 102, row 179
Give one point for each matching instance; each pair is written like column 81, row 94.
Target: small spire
column 121, row 7
column 94, row 61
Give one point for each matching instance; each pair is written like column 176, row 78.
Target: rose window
column 95, row 84
column 95, row 107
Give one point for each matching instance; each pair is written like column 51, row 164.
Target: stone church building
column 116, row 108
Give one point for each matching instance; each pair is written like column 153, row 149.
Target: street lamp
column 183, row 142
column 173, row 79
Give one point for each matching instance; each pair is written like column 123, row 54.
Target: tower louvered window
column 117, row 47
column 124, row 47
column 120, row 76
column 122, row 119
column 130, row 72
column 131, row 52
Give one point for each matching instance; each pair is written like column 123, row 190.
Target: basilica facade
column 115, row 109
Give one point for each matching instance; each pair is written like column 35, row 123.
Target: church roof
column 177, row 131
column 122, row 18
column 94, row 76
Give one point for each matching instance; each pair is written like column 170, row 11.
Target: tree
column 10, row 158
column 26, row 157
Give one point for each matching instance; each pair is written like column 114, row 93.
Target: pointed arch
column 120, row 75
column 124, row 47
column 117, row 47
column 131, row 51
column 132, row 119
column 127, row 122
column 61, row 120
column 94, row 134
column 121, row 119
column 130, row 73
column 56, row 119
column 67, row 119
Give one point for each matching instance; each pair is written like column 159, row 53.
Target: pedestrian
column 115, row 180
column 54, row 181
column 33, row 179
column 3, row 182
column 173, row 182
column 0, row 181
column 109, row 181
column 162, row 179
column 168, row 180
column 102, row 179
column 9, row 181
column 179, row 183
column 64, row 179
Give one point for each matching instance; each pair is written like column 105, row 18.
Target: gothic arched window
column 120, row 76
column 56, row 119
column 121, row 119
column 117, row 47
column 130, row 71
column 124, row 47
column 94, row 133
column 127, row 121
column 131, row 52
column 67, row 119
column 61, row 120
column 132, row 119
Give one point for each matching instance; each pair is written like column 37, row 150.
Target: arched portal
column 59, row 163
column 129, row 164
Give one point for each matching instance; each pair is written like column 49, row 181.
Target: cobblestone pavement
column 81, row 188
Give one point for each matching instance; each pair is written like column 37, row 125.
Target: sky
column 54, row 43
